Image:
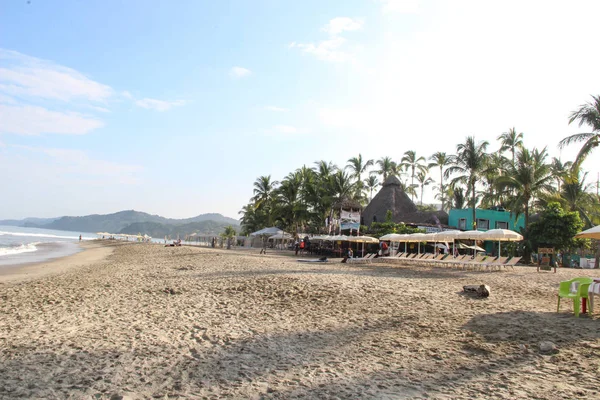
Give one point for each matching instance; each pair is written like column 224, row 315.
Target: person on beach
column 80, row 238
column 296, row 246
column 264, row 247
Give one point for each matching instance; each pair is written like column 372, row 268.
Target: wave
column 45, row 235
column 24, row 248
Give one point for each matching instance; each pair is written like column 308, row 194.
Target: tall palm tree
column 529, row 178
column 495, row 165
column 371, row 183
column 263, row 196
column 441, row 160
column 386, row 167
column 358, row 166
column 423, row 180
column 469, row 163
column 560, row 170
column 587, row 114
column 414, row 163
column 512, row 141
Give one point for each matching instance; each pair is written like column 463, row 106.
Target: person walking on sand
column 264, row 247
column 80, row 238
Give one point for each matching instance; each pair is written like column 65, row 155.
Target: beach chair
column 434, row 261
column 455, row 261
column 511, row 263
column 495, row 263
column 367, row 259
column 475, row 262
column 564, row 290
column 399, row 255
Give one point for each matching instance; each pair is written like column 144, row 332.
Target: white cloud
column 26, row 76
column 77, row 165
column 341, row 24
column 239, row 72
column 126, row 94
column 159, row 105
column 400, row 6
column 276, row 109
column 34, row 120
column 326, row 50
column 335, row 48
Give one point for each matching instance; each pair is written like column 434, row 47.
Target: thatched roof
column 392, row 197
column 347, row 204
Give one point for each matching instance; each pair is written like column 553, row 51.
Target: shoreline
column 89, row 252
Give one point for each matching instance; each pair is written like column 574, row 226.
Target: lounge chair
column 367, row 258
column 495, row 263
column 511, row 263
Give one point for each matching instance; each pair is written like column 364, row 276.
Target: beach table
column 593, row 290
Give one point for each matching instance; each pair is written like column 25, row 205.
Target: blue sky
column 175, row 108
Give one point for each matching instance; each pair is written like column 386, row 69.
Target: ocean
column 27, row 245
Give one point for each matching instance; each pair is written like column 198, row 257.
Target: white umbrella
column 592, row 233
column 470, row 235
column 392, row 237
column 363, row 240
column 502, row 235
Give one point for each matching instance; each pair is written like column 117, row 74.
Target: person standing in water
column 80, row 238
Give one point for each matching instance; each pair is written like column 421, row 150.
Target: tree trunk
column 473, row 205
column 442, row 186
column 527, row 249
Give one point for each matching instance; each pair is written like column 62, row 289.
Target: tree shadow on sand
column 363, row 270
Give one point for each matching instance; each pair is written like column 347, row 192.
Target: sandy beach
column 135, row 320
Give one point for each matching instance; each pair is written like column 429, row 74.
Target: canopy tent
column 267, row 231
column 592, row 233
column 281, row 236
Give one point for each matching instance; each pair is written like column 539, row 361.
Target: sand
column 148, row 321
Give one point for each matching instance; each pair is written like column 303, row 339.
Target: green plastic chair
column 564, row 290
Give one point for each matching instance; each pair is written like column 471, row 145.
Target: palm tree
column 371, row 183
column 560, row 170
column 423, row 180
column 527, row 179
column 469, row 162
column 263, row 196
column 495, row 165
column 386, row 167
column 410, row 160
column 441, row 160
column 358, row 166
column 587, row 114
column 512, row 141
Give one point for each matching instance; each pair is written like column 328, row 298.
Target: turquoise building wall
column 489, row 217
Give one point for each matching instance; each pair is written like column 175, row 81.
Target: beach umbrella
column 592, row 233
column 363, row 240
column 502, row 235
column 392, row 237
column 470, row 235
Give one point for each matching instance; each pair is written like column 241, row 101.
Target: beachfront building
column 486, row 219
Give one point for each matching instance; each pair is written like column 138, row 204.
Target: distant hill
column 132, row 221
column 27, row 222
column 157, row 230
